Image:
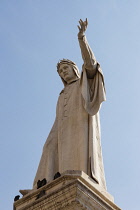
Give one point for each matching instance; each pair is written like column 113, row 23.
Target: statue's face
column 66, row 72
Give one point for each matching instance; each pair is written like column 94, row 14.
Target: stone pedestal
column 73, row 190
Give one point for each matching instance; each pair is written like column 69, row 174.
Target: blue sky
column 34, row 35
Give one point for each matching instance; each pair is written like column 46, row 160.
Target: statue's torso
column 72, row 129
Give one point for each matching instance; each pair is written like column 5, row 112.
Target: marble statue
column 74, row 140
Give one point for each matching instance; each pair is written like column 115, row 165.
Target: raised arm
column 90, row 63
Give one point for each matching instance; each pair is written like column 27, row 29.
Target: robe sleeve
column 92, row 90
column 90, row 63
column 92, row 81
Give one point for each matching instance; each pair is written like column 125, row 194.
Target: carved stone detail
column 74, row 190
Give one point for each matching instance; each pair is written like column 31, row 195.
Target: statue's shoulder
column 62, row 91
column 71, row 86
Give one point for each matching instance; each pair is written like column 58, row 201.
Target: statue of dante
column 74, row 140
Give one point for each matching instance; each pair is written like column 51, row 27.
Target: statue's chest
column 69, row 100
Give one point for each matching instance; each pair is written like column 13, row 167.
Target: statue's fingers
column 86, row 21
column 79, row 28
column 81, row 22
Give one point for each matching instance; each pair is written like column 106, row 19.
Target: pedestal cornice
column 73, row 190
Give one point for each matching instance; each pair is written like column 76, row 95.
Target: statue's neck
column 72, row 80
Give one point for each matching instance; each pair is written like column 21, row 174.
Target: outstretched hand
column 82, row 27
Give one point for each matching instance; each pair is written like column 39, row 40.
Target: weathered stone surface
column 73, row 190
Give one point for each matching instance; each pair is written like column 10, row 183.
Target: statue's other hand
column 82, row 27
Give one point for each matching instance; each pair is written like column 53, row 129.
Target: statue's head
column 68, row 71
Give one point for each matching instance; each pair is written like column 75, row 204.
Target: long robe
column 74, row 141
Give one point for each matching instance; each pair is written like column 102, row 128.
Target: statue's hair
column 65, row 61
column 71, row 63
